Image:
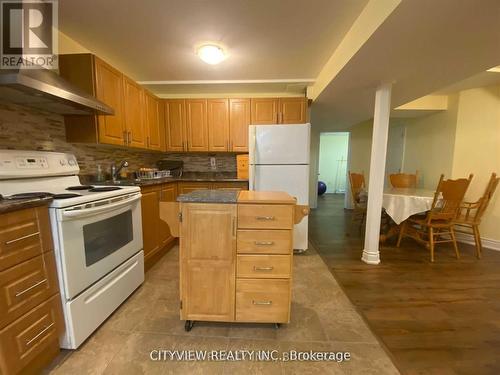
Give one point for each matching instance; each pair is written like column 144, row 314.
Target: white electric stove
column 97, row 233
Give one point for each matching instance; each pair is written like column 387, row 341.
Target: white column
column 371, row 253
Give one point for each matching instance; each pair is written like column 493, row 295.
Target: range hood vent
column 45, row 89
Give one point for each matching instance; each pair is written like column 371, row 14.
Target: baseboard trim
column 487, row 242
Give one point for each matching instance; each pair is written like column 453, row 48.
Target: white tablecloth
column 400, row 204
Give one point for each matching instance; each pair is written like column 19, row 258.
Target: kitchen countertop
column 8, row 205
column 186, row 176
column 209, row 196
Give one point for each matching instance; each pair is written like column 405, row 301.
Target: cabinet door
column 208, row 259
column 109, row 89
column 175, row 124
column 134, row 117
column 293, row 110
column 264, row 111
column 168, row 193
column 196, row 125
column 218, row 124
column 239, row 119
column 155, row 134
column 188, row 187
column 150, row 220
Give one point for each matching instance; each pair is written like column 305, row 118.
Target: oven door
column 96, row 238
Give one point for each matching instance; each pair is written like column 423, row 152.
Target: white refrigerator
column 279, row 160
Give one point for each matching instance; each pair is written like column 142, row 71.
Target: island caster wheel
column 189, row 325
column 277, row 325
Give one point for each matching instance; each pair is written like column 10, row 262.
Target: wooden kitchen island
column 236, row 254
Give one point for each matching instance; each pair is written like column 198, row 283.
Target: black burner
column 80, row 187
column 65, row 195
column 36, row 194
column 105, row 188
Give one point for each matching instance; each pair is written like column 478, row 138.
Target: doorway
column 333, row 153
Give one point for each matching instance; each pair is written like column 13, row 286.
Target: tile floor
column 323, row 319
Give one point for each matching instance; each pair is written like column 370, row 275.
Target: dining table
column 401, row 203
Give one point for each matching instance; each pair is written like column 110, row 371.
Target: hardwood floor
column 441, row 318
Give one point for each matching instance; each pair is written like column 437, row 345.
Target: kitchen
column 158, row 179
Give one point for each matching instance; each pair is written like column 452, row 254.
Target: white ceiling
column 423, row 46
column 153, row 40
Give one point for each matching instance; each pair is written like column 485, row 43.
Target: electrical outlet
column 213, row 163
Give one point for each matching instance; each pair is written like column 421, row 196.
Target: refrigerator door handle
column 253, row 148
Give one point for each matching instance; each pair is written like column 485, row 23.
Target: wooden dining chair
column 404, row 180
column 471, row 213
column 357, row 183
column 438, row 224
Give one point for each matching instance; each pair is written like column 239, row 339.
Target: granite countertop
column 186, row 176
column 209, row 196
column 8, row 205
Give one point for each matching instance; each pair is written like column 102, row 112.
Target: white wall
column 333, row 161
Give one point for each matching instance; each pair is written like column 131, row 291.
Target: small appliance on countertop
column 97, row 234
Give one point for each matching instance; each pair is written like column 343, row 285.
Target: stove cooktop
column 41, row 195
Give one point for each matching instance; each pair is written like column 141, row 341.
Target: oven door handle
column 97, row 210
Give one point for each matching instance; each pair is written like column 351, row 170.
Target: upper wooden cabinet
column 175, row 124
column 132, row 123
column 239, row 119
column 279, row 111
column 218, row 124
column 196, row 125
column 154, row 124
column 264, row 111
column 293, row 110
column 134, row 113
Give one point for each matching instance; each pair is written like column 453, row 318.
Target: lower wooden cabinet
column 155, row 233
column 31, row 318
column 208, row 249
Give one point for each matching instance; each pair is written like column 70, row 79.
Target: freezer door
column 294, row 179
column 279, row 144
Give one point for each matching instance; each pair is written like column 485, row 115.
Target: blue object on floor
column 321, row 188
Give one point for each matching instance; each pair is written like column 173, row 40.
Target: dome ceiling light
column 211, row 54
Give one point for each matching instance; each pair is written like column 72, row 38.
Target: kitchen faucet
column 116, row 171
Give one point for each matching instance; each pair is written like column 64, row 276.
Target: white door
column 293, row 179
column 279, row 144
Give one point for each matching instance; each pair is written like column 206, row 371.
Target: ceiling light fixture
column 211, row 54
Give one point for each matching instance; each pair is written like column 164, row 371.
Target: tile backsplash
column 23, row 128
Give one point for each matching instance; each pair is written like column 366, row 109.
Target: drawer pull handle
column 22, row 238
column 255, row 268
column 264, row 243
column 40, row 333
column 264, row 217
column 18, row 294
column 262, row 302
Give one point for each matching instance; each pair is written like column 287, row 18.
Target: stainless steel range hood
column 45, row 89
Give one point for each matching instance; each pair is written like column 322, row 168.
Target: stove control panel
column 25, row 164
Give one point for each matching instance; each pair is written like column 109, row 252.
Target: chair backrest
column 357, row 182
column 484, row 201
column 447, row 198
column 404, row 180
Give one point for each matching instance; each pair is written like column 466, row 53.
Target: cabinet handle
column 18, row 294
column 262, row 302
column 264, row 243
column 255, row 268
column 40, row 333
column 234, row 227
column 125, row 138
column 22, row 238
column 264, row 217
column 129, row 137
column 147, row 142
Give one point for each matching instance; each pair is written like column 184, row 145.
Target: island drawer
column 262, row 216
column 265, row 301
column 264, row 242
column 264, row 266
